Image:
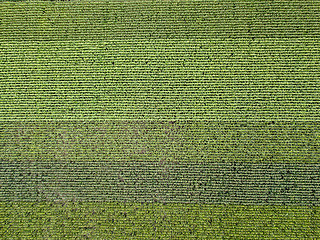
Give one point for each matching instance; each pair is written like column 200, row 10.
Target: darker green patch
column 161, row 141
column 161, row 182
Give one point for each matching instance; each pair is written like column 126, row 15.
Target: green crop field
column 83, row 220
column 159, row 119
column 159, row 60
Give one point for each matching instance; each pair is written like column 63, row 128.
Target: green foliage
column 94, row 220
column 184, row 141
column 159, row 60
column 156, row 60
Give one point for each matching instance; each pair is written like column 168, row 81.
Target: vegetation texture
column 159, row 119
